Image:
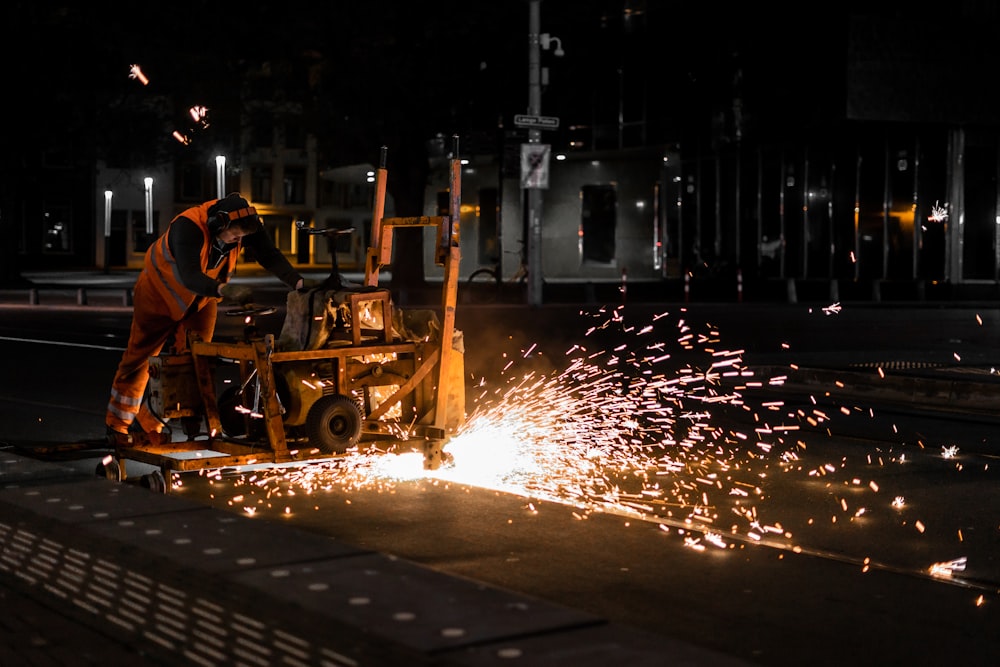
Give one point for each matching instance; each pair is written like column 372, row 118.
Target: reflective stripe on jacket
column 162, row 267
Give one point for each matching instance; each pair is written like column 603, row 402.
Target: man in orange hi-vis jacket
column 185, row 275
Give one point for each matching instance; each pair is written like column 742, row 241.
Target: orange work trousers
column 152, row 327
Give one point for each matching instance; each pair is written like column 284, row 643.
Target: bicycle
column 480, row 280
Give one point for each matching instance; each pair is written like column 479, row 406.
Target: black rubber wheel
column 333, row 424
column 154, row 481
column 234, row 421
column 109, row 470
column 192, row 426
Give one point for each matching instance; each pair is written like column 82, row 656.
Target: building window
column 57, row 229
column 280, row 229
column 295, row 185
column 261, row 185
column 140, row 239
column 597, row 223
column 488, row 246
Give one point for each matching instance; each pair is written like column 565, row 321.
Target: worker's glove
column 240, row 294
column 309, row 284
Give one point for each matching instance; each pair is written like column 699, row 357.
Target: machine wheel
column 192, row 426
column 334, row 424
column 110, row 470
column 155, row 482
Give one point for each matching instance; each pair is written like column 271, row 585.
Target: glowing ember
column 199, row 114
column 948, row 568
column 938, row 213
column 136, row 73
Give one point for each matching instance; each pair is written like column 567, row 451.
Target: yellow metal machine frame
column 421, row 375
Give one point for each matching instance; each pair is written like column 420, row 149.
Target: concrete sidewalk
column 96, row 572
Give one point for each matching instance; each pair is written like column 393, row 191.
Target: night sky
column 386, row 71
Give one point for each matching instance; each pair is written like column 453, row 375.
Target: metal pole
column 954, row 233
column 534, row 195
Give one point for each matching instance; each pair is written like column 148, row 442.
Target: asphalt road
column 784, row 531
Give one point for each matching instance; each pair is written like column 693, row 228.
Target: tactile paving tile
column 93, row 499
column 409, row 604
column 212, row 540
column 591, row 647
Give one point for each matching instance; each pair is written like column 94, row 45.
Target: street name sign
column 537, row 122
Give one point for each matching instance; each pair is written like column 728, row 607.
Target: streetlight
column 545, row 39
column 149, row 205
column 220, row 175
column 107, row 230
column 107, row 213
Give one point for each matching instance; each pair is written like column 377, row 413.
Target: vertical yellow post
column 372, row 264
column 450, row 253
column 268, row 391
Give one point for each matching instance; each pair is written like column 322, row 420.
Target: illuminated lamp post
column 220, row 175
column 149, row 205
column 107, row 230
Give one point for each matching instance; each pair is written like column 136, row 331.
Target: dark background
column 393, row 73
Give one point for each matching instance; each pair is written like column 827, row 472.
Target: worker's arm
column 260, row 247
column 186, row 239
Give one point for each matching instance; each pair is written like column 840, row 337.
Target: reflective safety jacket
column 161, row 266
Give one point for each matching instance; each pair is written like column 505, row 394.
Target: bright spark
column 617, row 430
column 199, row 114
column 136, row 73
column 946, row 569
column 938, row 213
column 626, row 429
